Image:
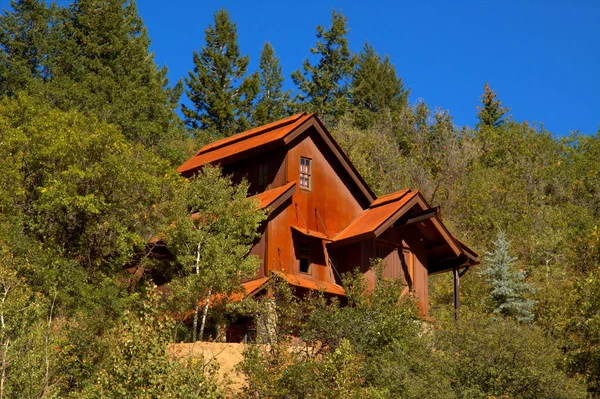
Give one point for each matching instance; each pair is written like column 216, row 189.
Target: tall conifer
column 273, row 102
column 115, row 74
column 221, row 94
column 92, row 56
column 491, row 113
column 375, row 86
column 323, row 87
column 28, row 35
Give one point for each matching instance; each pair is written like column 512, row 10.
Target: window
column 304, row 256
column 305, row 173
column 263, row 175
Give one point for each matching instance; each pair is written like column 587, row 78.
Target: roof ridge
column 251, row 133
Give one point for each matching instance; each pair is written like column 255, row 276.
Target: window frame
column 305, row 174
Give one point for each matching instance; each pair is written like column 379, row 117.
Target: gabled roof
column 389, row 198
column 408, row 207
column 377, row 218
column 243, row 142
column 270, row 136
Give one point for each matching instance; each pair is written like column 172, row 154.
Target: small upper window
column 263, row 175
column 305, row 173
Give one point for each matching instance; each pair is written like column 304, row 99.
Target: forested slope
column 90, row 136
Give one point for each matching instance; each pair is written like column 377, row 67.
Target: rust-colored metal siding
column 338, row 220
column 391, row 256
column 249, row 169
column 259, row 249
column 323, row 211
column 332, row 203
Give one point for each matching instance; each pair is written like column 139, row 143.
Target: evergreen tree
column 491, row 113
column 222, row 97
column 115, row 75
column 93, row 57
column 273, row 102
column 375, row 86
column 323, row 87
column 508, row 285
column 28, row 36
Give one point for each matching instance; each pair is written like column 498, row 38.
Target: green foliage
column 580, row 329
column 82, row 198
column 370, row 348
column 287, row 372
column 222, row 96
column 92, row 57
column 508, row 285
column 273, row 102
column 21, row 311
column 80, row 187
column 375, row 87
column 374, row 152
column 500, row 358
column 377, row 346
column 215, row 228
column 323, row 87
column 28, row 35
column 137, row 364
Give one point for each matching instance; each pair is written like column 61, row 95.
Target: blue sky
column 542, row 57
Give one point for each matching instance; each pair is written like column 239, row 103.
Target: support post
column 456, row 292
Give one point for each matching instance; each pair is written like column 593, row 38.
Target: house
column 323, row 217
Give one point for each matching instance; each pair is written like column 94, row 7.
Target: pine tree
column 273, row 102
column 508, row 285
column 491, row 113
column 323, row 87
column 114, row 73
column 222, row 97
column 375, row 87
column 28, row 35
column 93, row 57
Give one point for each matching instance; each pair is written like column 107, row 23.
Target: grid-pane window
column 263, row 175
column 305, row 173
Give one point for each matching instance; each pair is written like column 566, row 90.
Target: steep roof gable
column 241, row 143
column 392, row 208
column 269, row 136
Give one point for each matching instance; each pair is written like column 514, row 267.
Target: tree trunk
column 195, row 327
column 5, row 342
column 196, row 308
column 205, row 313
column 3, row 378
